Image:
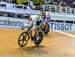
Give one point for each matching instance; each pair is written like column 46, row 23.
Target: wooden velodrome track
column 55, row 44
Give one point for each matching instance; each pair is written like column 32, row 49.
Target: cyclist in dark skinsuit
column 46, row 19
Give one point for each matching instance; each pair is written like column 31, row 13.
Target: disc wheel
column 39, row 38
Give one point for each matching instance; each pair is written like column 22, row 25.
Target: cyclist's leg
column 34, row 31
column 46, row 23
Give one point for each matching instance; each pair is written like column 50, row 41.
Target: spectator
column 62, row 4
column 69, row 2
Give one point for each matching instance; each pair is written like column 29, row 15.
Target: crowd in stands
column 63, row 3
column 64, row 6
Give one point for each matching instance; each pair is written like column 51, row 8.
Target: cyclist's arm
column 30, row 25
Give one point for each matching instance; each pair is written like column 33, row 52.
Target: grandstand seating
column 64, row 6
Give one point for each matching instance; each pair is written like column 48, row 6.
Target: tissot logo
column 61, row 26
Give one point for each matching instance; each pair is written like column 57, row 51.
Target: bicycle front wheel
column 23, row 39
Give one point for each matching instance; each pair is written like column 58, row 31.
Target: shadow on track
column 39, row 50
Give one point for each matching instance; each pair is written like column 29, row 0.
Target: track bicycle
column 26, row 35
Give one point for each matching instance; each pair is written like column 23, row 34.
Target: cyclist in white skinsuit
column 36, row 19
column 32, row 24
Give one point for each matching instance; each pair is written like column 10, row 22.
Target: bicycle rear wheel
column 23, row 39
column 39, row 38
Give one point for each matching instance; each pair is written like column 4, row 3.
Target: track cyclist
column 45, row 19
column 32, row 31
column 33, row 23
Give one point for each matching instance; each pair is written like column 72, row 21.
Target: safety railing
column 55, row 8
column 51, row 8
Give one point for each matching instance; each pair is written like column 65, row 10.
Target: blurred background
column 64, row 3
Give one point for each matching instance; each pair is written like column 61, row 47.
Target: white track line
column 68, row 34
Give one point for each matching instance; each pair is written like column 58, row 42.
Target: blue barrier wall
column 6, row 22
